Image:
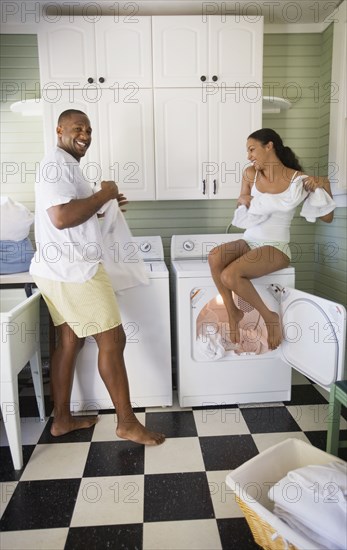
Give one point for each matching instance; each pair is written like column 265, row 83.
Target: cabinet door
column 235, row 51
column 124, row 53
column 127, row 141
column 231, row 120
column 66, row 53
column 179, row 51
column 181, row 143
column 53, row 106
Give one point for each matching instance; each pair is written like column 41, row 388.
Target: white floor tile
column 220, row 422
column 223, row 498
column 109, row 500
column 56, row 461
column 105, row 428
column 313, row 417
column 181, row 535
column 41, row 539
column 264, row 441
column 179, row 454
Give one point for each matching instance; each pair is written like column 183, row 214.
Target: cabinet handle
column 215, row 78
column 204, row 187
column 90, row 80
column 203, row 78
column 101, row 79
column 214, row 187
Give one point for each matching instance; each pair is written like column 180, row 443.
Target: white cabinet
column 201, row 143
column 181, row 132
column 110, row 53
column 122, row 146
column 189, row 50
column 105, row 69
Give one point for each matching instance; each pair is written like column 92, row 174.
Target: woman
column 271, row 189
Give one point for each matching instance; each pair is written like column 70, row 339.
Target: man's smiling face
column 75, row 135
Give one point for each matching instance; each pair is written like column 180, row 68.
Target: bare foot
column 234, row 326
column 274, row 331
column 62, row 427
column 135, row 431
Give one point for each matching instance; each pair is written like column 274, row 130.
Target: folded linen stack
column 313, row 501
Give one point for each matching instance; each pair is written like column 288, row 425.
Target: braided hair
column 285, row 154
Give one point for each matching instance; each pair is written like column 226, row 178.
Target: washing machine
column 145, row 312
column 211, row 370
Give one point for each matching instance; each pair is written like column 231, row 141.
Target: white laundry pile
column 262, row 205
column 16, row 249
column 122, row 259
column 313, row 501
column 213, row 333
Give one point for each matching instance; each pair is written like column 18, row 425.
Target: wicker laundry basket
column 252, row 481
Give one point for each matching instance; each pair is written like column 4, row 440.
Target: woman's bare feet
column 234, row 326
column 274, row 330
column 133, row 430
column 62, row 427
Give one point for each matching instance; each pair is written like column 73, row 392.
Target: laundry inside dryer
column 213, row 336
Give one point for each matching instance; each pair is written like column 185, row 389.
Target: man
column 68, row 270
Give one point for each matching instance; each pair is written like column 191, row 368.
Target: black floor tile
column 78, row 436
column 172, row 424
column 7, row 472
column 114, row 458
column 306, row 394
column 174, row 497
column 319, row 439
column 41, row 505
column 226, row 452
column 236, row 535
column 269, row 420
column 28, row 406
column 112, row 537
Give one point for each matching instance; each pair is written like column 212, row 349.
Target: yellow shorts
column 88, row 308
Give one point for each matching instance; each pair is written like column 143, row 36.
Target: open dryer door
column 314, row 336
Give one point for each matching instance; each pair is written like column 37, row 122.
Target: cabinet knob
column 215, row 78
column 203, row 78
column 204, row 187
column 101, row 79
column 214, row 187
column 90, row 80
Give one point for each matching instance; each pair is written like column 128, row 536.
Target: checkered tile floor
column 91, row 490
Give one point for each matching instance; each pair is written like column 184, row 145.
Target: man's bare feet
column 133, row 430
column 62, row 427
column 274, row 330
column 234, row 326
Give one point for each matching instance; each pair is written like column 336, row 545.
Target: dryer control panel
column 198, row 247
column 150, row 248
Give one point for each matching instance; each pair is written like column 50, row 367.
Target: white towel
column 317, row 204
column 312, row 499
column 15, row 220
column 262, row 205
column 122, row 259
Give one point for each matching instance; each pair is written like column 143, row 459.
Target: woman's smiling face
column 75, row 135
column 257, row 153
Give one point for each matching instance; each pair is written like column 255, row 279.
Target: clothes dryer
column 213, row 371
column 145, row 312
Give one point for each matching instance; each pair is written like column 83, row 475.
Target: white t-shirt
column 72, row 254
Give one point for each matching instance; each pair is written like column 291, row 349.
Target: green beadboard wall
column 296, row 66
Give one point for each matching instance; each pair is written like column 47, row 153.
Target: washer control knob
column 145, row 247
column 188, row 246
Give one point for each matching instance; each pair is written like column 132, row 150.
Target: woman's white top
column 269, row 215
